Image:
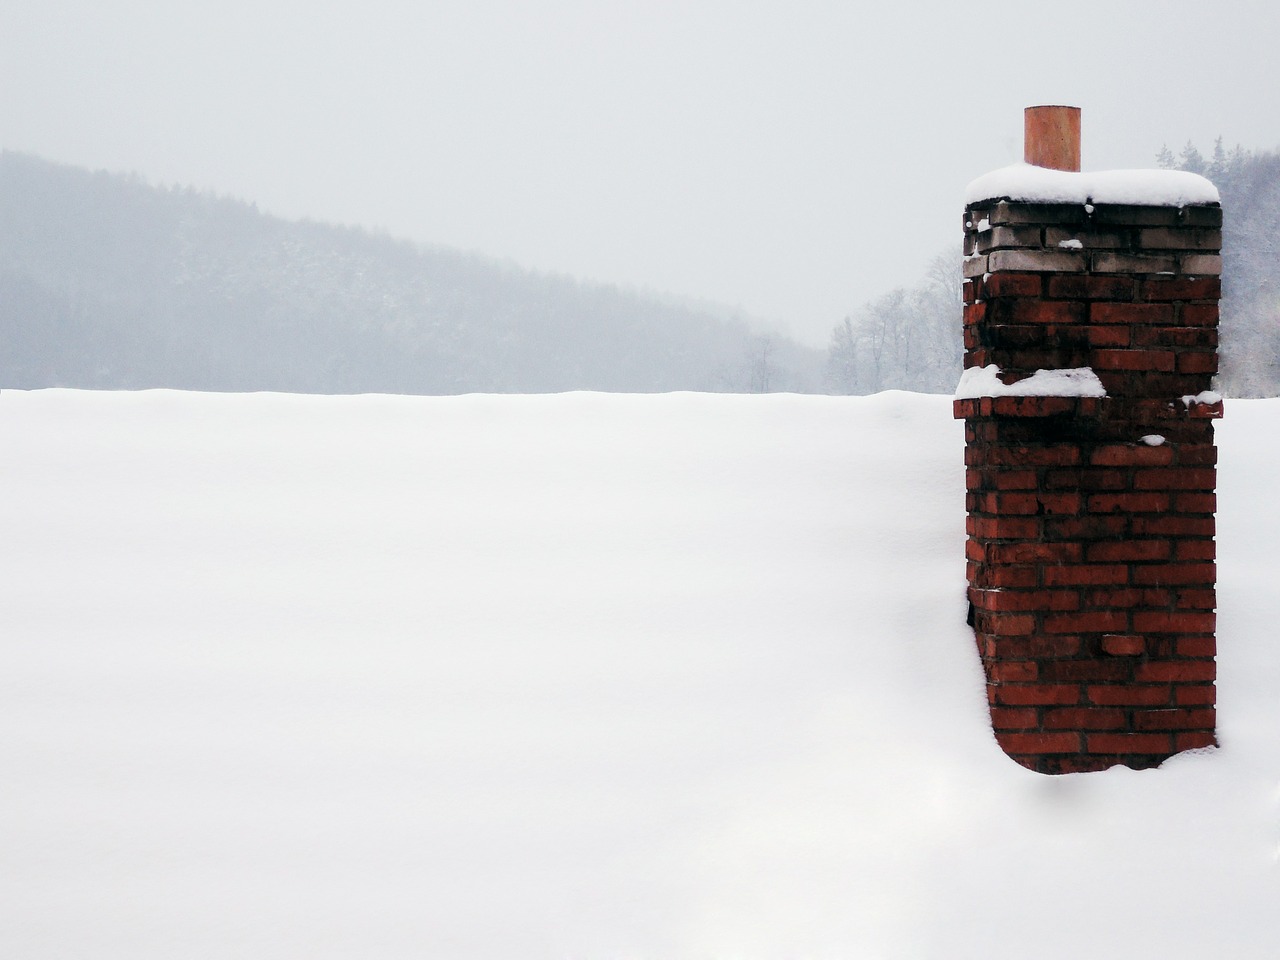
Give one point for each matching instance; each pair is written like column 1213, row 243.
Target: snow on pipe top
column 1051, row 172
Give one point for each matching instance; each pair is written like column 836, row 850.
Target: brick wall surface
column 1091, row 520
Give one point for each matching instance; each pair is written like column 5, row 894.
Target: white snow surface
column 680, row 676
column 985, row 381
column 1159, row 188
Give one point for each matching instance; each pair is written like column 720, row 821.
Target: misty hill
column 108, row 282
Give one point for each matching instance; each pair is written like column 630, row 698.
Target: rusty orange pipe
column 1051, row 137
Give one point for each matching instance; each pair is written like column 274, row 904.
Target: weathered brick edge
column 1091, row 549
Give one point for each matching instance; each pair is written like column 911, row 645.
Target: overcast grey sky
column 794, row 159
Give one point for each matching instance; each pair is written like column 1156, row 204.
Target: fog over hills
column 108, row 282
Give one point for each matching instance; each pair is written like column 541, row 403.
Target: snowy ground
column 577, row 676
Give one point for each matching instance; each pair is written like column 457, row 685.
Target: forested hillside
column 911, row 337
column 108, row 282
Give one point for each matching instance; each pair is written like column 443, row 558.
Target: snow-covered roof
column 575, row 675
column 1156, row 188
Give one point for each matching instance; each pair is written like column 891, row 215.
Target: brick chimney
column 1090, row 329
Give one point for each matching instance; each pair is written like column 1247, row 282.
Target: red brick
column 1175, row 573
column 1037, row 311
column 1195, row 503
column 1126, row 597
column 1095, row 621
column 1011, row 503
column 1197, row 646
column 1019, row 576
column 1124, row 645
column 975, row 551
column 1005, row 528
column 1038, row 742
column 1035, row 553
column 1175, row 671
column 1196, row 550
column 1131, row 695
column 1145, row 502
column 1194, row 740
column 1109, row 336
column 1202, row 411
column 1012, row 285
column 1131, row 455
column 1058, row 455
column 1059, row 504
column 1175, row 478
column 1159, row 621
column 974, row 314
column 1077, row 287
column 1034, row 406
column 1169, row 288
column 1012, row 671
column 1196, row 598
column 1007, row 625
column 1183, row 718
column 1085, row 574
column 1143, row 360
column 1184, row 338
column 1014, row 718
column 1036, row 645
column 1015, row 480
column 1086, row 670
column 1036, row 694
column 1173, row 526
column 1129, row 743
column 1084, row 527
column 1199, row 315
column 1197, row 454
column 1128, row 550
column 1195, row 695
column 1004, row 601
column 1158, row 313
column 1084, row 718
column 1068, row 479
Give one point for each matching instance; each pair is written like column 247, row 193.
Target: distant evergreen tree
column 1192, row 160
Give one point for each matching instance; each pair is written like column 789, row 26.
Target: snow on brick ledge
column 1154, row 188
column 1046, row 393
column 985, row 382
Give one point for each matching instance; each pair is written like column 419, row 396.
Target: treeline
column 108, row 282
column 908, row 339
column 911, row 337
column 1249, row 336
